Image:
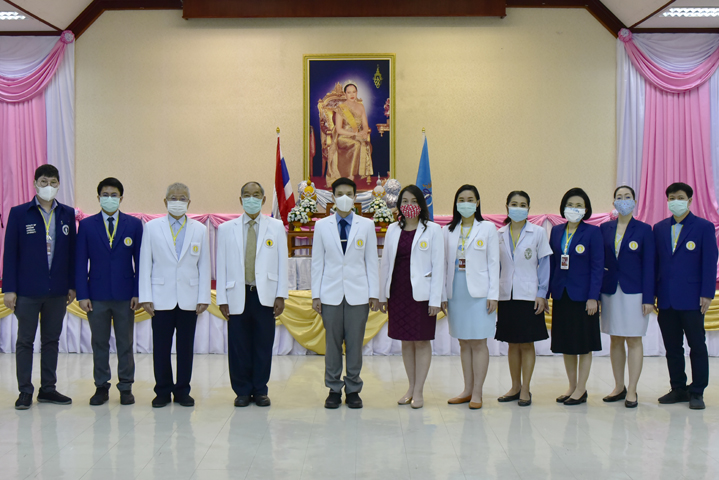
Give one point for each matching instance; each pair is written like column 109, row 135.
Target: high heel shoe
column 633, row 404
column 577, row 401
column 508, row 398
column 404, row 401
column 525, row 403
column 615, row 398
column 459, row 400
column 562, row 398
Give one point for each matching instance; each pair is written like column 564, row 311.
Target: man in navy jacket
column 39, row 281
column 686, row 269
column 110, row 243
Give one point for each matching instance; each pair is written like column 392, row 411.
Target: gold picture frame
column 329, row 153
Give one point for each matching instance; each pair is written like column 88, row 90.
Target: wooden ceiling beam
column 595, row 7
column 32, row 15
column 93, row 11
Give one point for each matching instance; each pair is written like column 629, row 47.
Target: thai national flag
column 283, row 200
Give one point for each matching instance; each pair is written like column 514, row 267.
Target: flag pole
column 278, row 131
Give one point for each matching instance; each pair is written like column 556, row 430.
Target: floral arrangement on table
column 383, row 217
column 301, row 214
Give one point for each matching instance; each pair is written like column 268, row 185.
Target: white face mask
column 177, row 208
column 344, row 203
column 47, row 193
column 574, row 215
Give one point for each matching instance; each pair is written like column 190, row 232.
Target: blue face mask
column 251, row 205
column 518, row 214
column 466, row 209
column 625, row 207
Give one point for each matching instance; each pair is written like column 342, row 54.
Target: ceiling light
column 692, row 12
column 11, row 16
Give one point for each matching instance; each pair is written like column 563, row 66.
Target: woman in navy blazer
column 627, row 292
column 575, row 281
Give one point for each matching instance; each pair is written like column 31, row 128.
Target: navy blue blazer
column 583, row 280
column 634, row 269
column 25, row 270
column 690, row 272
column 113, row 272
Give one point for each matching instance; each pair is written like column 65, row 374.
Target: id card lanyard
column 112, row 237
column 48, row 237
column 463, row 259
column 175, row 235
column 565, row 258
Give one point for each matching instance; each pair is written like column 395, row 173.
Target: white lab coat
column 482, row 260
column 167, row 281
column 426, row 263
column 353, row 275
column 270, row 263
column 520, row 273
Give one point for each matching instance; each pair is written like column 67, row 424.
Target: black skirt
column 574, row 331
column 517, row 322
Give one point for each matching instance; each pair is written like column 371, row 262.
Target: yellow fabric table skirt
column 305, row 325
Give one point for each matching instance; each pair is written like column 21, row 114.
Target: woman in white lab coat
column 471, row 289
column 411, row 287
column 523, row 283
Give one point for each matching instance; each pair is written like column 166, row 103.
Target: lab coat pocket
column 273, row 276
column 194, row 282
column 360, row 243
column 229, row 285
column 195, row 248
column 158, row 281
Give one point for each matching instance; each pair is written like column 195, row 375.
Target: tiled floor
column 297, row 438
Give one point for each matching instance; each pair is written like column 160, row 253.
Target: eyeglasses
column 111, row 195
column 174, row 198
column 44, row 182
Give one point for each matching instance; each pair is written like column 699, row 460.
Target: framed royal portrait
column 349, row 121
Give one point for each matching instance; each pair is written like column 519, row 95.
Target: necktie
column 250, row 253
column 343, row 234
column 110, row 225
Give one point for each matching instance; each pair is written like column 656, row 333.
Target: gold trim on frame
column 306, row 102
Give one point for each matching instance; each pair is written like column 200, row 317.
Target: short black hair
column 352, row 84
column 680, row 187
column 48, row 171
column 577, row 192
column 634, row 195
column 518, row 193
column 344, row 181
column 456, row 216
column 110, row 182
column 421, row 203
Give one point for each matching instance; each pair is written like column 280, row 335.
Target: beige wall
column 525, row 102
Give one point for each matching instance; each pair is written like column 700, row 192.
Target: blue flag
column 424, row 178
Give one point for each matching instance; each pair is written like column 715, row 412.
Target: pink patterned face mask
column 410, row 211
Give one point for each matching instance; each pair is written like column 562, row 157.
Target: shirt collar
column 348, row 218
column 105, row 216
column 175, row 221
column 246, row 219
column 37, row 202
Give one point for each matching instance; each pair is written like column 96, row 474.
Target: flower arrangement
column 302, row 212
column 383, row 215
column 376, row 205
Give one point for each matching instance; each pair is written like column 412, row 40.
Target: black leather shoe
column 353, row 400
column 508, row 398
column 615, row 398
column 562, row 398
column 696, row 401
column 127, row 398
column 525, row 403
column 101, row 396
column 53, row 397
column 633, row 404
column 242, row 401
column 23, row 401
column 159, row 402
column 262, row 401
column 677, row 395
column 334, row 400
column 577, row 401
column 185, row 401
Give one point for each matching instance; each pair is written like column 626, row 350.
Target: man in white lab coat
column 174, row 290
column 251, row 292
column 345, row 285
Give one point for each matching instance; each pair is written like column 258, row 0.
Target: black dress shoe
column 159, row 402
column 525, row 403
column 53, row 397
column 615, row 398
column 242, row 401
column 562, row 398
column 633, row 404
column 262, row 400
column 353, row 400
column 677, row 395
column 23, row 401
column 334, row 400
column 508, row 398
column 577, row 401
column 696, row 401
column 101, row 396
column 127, row 398
column 185, row 401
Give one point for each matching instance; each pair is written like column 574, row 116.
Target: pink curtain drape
column 677, row 136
